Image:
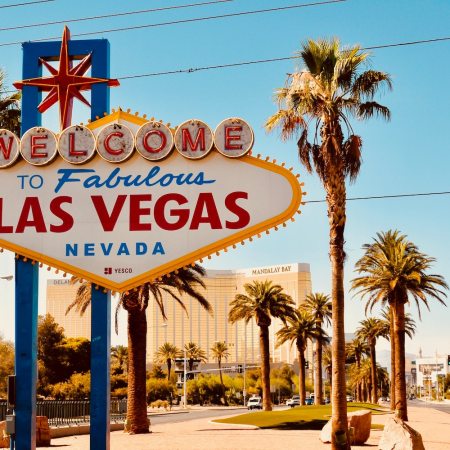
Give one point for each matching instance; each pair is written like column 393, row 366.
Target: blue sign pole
column 26, row 280
column 100, row 368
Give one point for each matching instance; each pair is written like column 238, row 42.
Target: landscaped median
column 299, row 418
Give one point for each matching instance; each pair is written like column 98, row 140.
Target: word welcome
column 115, row 142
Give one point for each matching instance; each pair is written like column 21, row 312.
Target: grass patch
column 300, row 418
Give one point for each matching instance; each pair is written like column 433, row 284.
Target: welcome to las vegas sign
column 126, row 200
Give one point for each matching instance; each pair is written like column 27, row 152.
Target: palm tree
column 357, row 349
column 327, row 362
column 261, row 302
column 119, row 354
column 395, row 272
column 300, row 328
column 194, row 353
column 220, row 351
column 410, row 329
column 370, row 330
column 9, row 109
column 166, row 354
column 330, row 89
column 319, row 306
column 135, row 302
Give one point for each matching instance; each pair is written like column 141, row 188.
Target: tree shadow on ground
column 316, row 424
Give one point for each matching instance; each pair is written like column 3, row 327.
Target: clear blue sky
column 408, row 155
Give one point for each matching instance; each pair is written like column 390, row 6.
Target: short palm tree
column 299, row 329
column 410, row 329
column 9, row 109
column 332, row 87
column 261, row 302
column 135, row 302
column 220, row 351
column 394, row 271
column 319, row 306
column 194, row 352
column 119, row 354
column 357, row 349
column 165, row 354
column 370, row 330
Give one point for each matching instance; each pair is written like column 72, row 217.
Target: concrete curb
column 78, row 430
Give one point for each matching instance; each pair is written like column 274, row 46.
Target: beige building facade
column 204, row 329
column 197, row 325
column 60, row 294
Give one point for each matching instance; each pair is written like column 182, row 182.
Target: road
column 444, row 407
column 195, row 414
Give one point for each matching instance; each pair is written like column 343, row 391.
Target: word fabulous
column 115, row 142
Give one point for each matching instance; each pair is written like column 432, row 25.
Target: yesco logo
column 116, row 142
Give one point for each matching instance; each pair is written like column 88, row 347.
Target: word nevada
column 116, row 142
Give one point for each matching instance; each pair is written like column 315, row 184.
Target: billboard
column 126, row 200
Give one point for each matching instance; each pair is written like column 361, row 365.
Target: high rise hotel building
column 204, row 329
column 197, row 325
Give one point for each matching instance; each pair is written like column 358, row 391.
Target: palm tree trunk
column 359, row 385
column 318, row 386
column 392, row 339
column 336, row 216
column 265, row 366
column 137, row 421
column 400, row 381
column 219, row 361
column 373, row 372
column 301, row 375
column 169, row 366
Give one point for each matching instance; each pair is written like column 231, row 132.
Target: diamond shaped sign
column 126, row 216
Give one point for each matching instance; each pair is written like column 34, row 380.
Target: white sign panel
column 120, row 225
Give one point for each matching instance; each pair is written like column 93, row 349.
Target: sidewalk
column 201, row 434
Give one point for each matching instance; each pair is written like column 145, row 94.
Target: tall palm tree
column 370, row 330
column 298, row 329
column 194, row 352
column 261, row 302
column 165, row 354
column 220, row 351
column 357, row 349
column 331, row 88
column 395, row 272
column 135, row 302
column 9, row 108
column 410, row 329
column 319, row 306
column 119, row 354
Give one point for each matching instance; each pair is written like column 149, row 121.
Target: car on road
column 254, row 403
column 309, row 401
column 349, row 398
column 294, row 401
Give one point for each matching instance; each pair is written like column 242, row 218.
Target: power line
column 105, row 16
column 262, row 61
column 375, row 197
column 270, row 60
column 14, row 5
column 181, row 21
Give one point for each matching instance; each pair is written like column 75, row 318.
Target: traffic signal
column 306, row 364
column 448, row 360
column 239, row 368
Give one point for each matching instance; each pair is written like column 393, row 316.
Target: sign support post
column 26, row 285
column 100, row 361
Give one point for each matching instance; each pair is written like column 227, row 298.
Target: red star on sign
column 65, row 83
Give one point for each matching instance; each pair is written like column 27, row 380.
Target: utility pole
column 184, row 380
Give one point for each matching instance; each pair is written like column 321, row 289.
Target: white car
column 254, row 403
column 294, row 401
